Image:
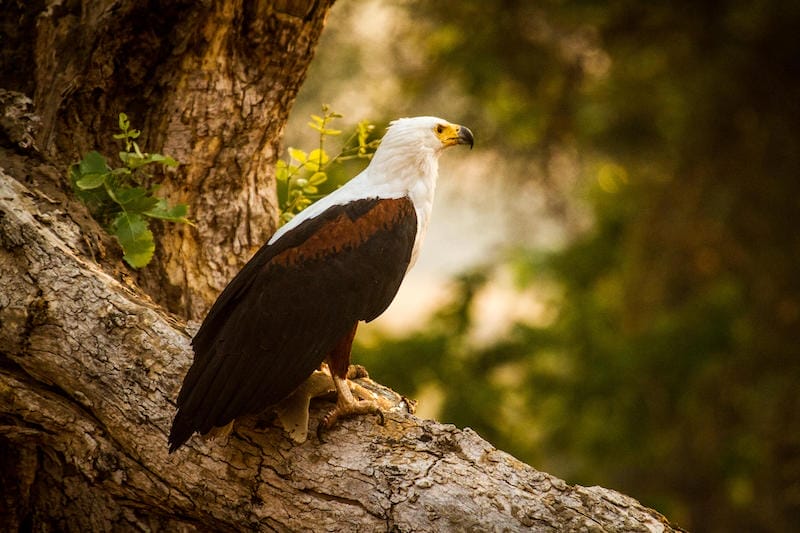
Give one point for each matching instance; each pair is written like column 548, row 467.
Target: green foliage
column 302, row 178
column 122, row 199
column 669, row 369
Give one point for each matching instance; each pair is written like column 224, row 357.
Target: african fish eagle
column 299, row 300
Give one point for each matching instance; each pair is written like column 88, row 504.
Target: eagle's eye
column 439, row 128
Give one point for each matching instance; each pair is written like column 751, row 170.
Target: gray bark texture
column 92, row 354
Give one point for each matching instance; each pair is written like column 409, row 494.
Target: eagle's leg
column 346, row 404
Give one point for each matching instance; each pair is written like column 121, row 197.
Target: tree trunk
column 90, row 364
column 210, row 83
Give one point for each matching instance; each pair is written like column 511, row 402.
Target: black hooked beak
column 465, row 136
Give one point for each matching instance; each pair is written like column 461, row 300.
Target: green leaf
column 318, row 155
column 135, row 237
column 132, row 160
column 97, row 200
column 135, row 199
column 318, row 178
column 163, row 211
column 121, row 171
column 297, row 154
column 316, row 159
column 124, row 123
column 93, row 163
column 91, row 181
column 74, row 173
column 281, row 171
column 163, row 159
column 286, row 217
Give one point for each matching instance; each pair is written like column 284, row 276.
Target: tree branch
column 90, row 368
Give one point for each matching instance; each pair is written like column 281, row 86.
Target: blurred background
column 610, row 287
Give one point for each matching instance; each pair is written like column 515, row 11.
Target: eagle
column 298, row 301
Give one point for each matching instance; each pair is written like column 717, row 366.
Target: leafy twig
column 120, row 198
column 302, row 174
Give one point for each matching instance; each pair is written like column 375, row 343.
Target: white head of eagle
column 298, row 301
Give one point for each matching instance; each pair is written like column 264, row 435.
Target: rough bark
column 89, row 370
column 210, row 83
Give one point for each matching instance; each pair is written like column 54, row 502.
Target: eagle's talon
column 411, row 405
column 348, row 410
column 357, row 372
column 320, row 428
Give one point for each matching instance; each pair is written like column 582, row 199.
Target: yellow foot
column 346, row 410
